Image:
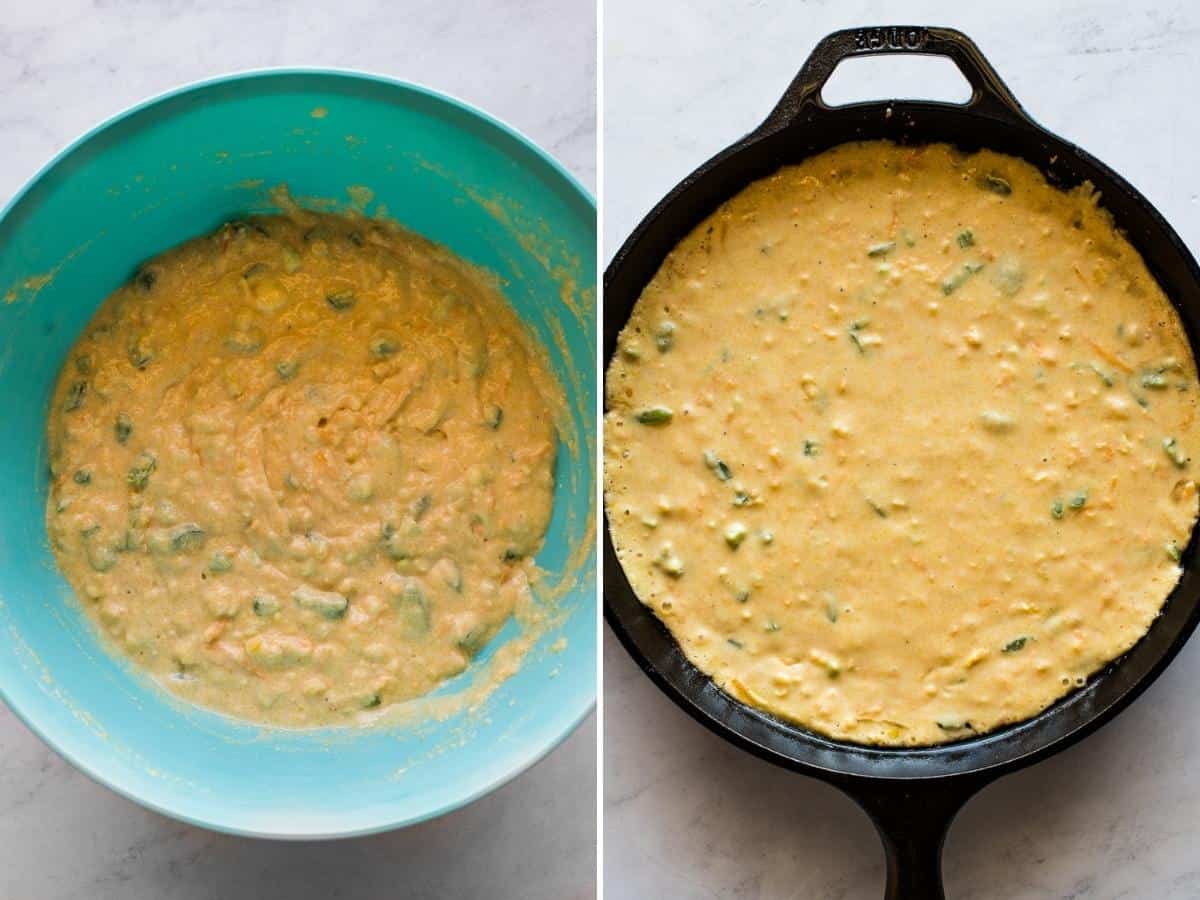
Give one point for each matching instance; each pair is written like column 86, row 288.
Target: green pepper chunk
column 384, row 344
column 75, row 395
column 139, row 473
column 413, row 608
column 717, row 465
column 122, row 428
column 655, row 415
column 1174, row 452
column 146, row 279
column 996, row 185
column 139, row 354
column 187, row 536
column 664, row 337
column 265, row 605
column 473, row 641
column 327, row 604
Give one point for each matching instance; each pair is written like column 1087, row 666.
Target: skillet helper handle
column 989, row 95
column 912, row 819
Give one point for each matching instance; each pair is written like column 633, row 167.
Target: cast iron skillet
column 910, row 794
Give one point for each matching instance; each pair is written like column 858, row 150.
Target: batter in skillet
column 898, row 443
column 300, row 467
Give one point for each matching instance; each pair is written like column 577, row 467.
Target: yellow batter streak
column 898, row 443
column 300, row 467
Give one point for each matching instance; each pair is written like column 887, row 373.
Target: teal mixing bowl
column 179, row 166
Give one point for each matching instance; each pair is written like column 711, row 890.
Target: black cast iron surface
column 911, row 794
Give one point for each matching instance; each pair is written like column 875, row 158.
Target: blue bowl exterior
column 171, row 169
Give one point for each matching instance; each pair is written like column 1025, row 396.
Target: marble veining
column 66, row 65
column 688, row 815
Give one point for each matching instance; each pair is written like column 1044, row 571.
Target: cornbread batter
column 899, row 442
column 300, row 467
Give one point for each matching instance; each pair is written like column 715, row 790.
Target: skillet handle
column 989, row 95
column 912, row 819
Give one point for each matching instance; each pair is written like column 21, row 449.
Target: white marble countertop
column 66, row 65
column 689, row 816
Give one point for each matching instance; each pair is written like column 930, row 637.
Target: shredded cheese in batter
column 300, row 467
column 899, row 443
